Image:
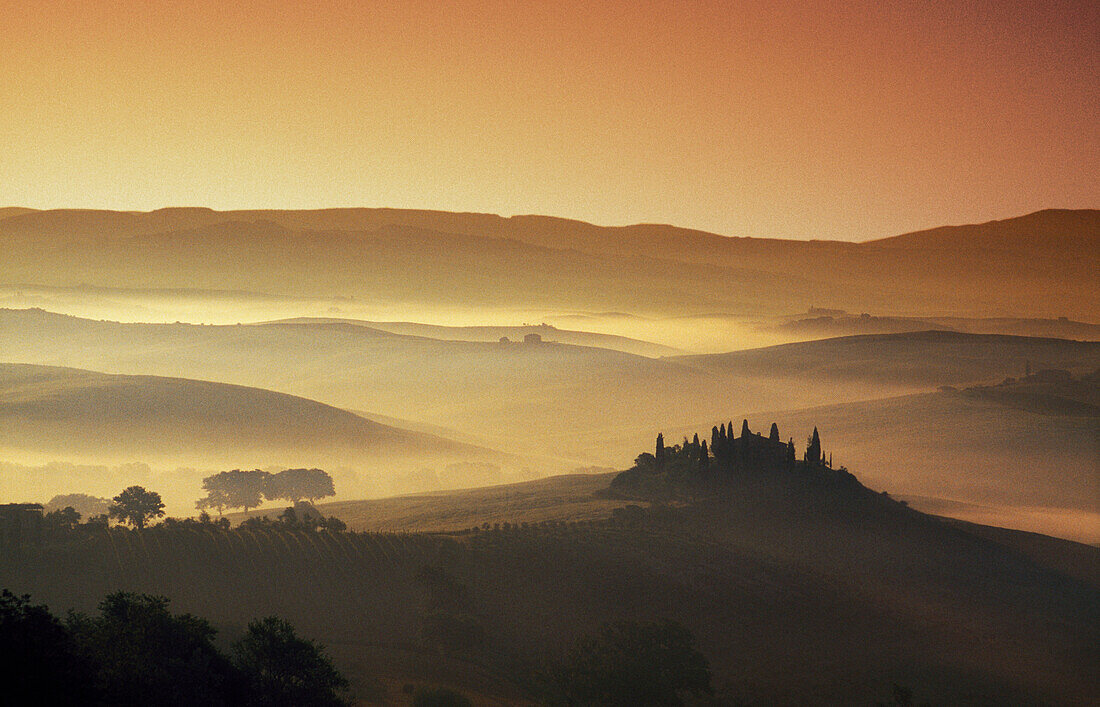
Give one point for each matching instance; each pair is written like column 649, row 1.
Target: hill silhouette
column 514, row 334
column 1043, row 232
column 930, row 358
column 771, row 574
column 535, row 261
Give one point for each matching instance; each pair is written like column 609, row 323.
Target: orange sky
column 745, row 118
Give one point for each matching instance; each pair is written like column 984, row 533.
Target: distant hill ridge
column 1042, row 264
column 514, row 333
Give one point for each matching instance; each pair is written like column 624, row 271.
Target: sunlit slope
column 928, row 358
column 1043, row 264
column 66, row 413
column 564, row 498
column 770, row 578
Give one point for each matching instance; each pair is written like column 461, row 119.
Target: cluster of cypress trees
column 728, row 452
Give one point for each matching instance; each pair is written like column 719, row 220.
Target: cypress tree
column 722, row 432
column 774, row 434
column 704, row 456
column 695, row 441
column 813, row 449
column 714, row 438
column 790, row 451
column 660, row 451
column 745, row 428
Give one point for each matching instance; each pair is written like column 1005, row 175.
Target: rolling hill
column 78, row 412
column 434, row 259
column 125, row 425
column 829, row 326
column 546, row 332
column 558, row 400
column 794, row 592
column 959, row 454
column 1041, row 233
column 925, row 358
column 551, row 399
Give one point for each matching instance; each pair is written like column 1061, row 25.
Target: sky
column 757, row 118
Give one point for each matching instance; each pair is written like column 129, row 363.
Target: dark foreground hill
column 797, row 589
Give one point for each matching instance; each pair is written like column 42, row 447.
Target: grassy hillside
column 565, row 498
column 532, row 261
column 794, row 593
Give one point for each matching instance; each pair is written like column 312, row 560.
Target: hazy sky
column 745, row 118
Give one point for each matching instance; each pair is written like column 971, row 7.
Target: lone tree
column 136, row 506
column 234, row 489
column 295, row 484
column 660, row 451
column 774, row 434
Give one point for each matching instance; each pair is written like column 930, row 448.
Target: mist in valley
column 594, row 354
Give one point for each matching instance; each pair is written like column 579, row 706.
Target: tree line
column 248, row 489
column 135, row 652
column 697, row 463
column 729, row 452
column 137, row 506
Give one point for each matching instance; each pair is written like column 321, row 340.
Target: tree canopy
column 136, row 506
column 295, row 484
column 284, row 669
column 234, row 489
column 146, row 654
column 41, row 663
column 135, row 653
